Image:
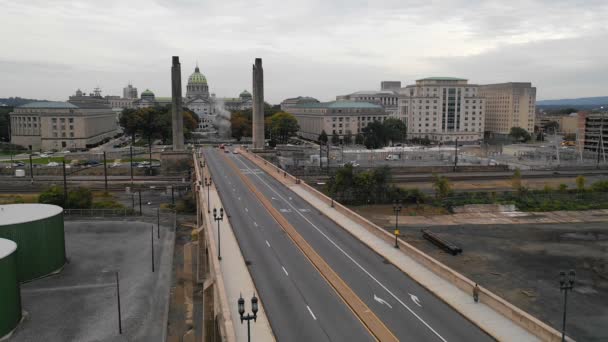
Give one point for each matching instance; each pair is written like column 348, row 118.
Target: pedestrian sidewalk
column 237, row 279
column 480, row 314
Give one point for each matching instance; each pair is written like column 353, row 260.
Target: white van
column 392, row 157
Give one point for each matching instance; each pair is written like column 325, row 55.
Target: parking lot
column 80, row 303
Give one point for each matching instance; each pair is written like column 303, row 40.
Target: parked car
column 18, row 164
column 392, row 157
column 235, row 151
column 52, row 164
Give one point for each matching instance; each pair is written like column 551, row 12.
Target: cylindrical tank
column 38, row 231
column 10, row 297
column 20, row 173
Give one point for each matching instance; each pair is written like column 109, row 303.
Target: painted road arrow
column 415, row 299
column 381, row 301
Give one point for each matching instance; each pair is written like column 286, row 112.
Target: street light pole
column 396, row 208
column 566, row 284
column 208, row 185
column 248, row 317
column 218, row 218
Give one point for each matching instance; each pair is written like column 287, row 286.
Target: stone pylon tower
column 177, row 118
column 258, row 105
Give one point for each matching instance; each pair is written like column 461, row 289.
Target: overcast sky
column 319, row 48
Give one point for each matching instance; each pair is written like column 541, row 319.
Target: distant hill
column 17, row 101
column 580, row 102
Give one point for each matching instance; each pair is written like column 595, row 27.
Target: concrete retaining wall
column 513, row 313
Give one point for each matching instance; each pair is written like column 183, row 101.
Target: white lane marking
column 267, row 243
column 255, row 224
column 274, row 199
column 381, row 301
column 415, row 299
column 311, row 313
column 247, row 210
column 352, row 259
column 284, row 270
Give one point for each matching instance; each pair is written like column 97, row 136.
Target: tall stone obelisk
column 177, row 118
column 258, row 105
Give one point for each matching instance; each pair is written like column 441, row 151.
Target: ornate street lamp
column 248, row 317
column 218, row 218
column 396, row 209
column 566, row 283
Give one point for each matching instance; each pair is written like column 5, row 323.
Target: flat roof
column 6, row 247
column 26, row 212
column 49, row 104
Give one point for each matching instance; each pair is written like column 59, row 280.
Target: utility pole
column 65, row 186
column 158, row 222
column 118, row 300
column 455, row 155
column 105, row 171
column 131, row 164
column 152, row 245
column 31, row 169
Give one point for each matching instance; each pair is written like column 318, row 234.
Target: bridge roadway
column 299, row 303
column 410, row 311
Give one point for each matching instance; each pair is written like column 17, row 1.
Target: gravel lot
column 521, row 263
column 79, row 303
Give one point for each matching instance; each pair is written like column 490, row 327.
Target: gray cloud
column 318, row 48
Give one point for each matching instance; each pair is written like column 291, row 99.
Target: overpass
column 323, row 273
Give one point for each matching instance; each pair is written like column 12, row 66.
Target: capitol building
column 198, row 99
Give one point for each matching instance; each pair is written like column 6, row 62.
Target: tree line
column 377, row 134
column 155, row 123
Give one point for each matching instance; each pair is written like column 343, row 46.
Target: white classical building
column 443, row 109
column 387, row 97
column 199, row 100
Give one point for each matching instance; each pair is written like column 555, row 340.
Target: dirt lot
column 521, row 263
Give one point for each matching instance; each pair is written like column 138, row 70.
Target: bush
column 80, row 198
column 187, row 204
column 600, row 186
column 52, row 195
column 108, row 204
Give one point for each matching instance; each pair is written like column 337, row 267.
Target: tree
column 551, row 126
column 375, row 136
column 359, row 139
column 240, row 125
column 516, row 180
column 348, row 138
column 129, row 122
column 580, row 183
column 441, row 186
column 283, row 126
column 520, row 134
column 395, row 130
column 322, row 137
column 335, row 139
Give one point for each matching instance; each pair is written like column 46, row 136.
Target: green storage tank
column 38, row 231
column 10, row 298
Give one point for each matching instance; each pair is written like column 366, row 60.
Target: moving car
column 392, row 157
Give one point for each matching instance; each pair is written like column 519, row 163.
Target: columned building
column 199, row 101
column 242, row 102
column 509, row 105
column 339, row 118
column 443, row 109
column 82, row 122
column 387, row 97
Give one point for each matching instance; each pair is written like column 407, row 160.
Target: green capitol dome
column 245, row 94
column 147, row 92
column 197, row 78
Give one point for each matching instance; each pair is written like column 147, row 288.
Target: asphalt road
column 409, row 311
column 367, row 273
column 300, row 304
